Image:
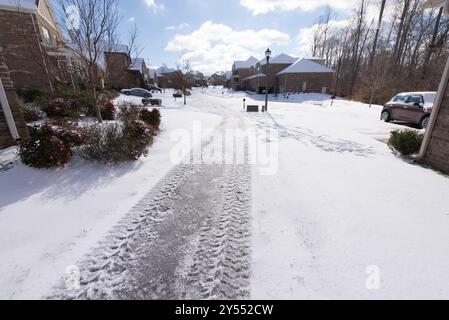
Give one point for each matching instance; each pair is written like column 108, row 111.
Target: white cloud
column 154, row 6
column 213, row 47
column 264, row 6
column 181, row 26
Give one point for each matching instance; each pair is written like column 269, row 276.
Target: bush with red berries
column 151, row 118
column 49, row 146
column 108, row 111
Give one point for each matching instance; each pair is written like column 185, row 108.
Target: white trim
column 436, row 110
column 438, row 101
column 8, row 114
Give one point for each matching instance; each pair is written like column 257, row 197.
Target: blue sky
column 161, row 22
column 211, row 34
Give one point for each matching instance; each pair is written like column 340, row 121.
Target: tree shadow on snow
column 69, row 183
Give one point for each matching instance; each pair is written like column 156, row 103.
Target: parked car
column 138, row 92
column 177, row 94
column 153, row 88
column 410, row 107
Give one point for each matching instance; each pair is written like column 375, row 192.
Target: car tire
column 386, row 116
column 424, row 123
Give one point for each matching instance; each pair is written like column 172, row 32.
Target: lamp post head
column 268, row 54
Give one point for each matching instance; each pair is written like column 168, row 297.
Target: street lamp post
column 267, row 55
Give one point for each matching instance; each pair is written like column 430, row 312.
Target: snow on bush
column 49, row 146
column 406, row 142
column 117, row 142
column 151, row 118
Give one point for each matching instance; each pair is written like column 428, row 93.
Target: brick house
column 152, row 77
column 34, row 49
column 257, row 82
column 6, row 135
column 122, row 71
column 305, row 75
column 240, row 71
column 217, row 79
column 228, row 79
column 435, row 148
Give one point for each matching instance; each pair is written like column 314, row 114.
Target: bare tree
column 98, row 21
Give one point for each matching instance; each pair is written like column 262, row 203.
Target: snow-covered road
column 338, row 216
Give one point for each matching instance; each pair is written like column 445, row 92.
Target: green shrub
column 129, row 112
column 30, row 95
column 151, row 118
column 47, row 147
column 63, row 108
column 108, row 111
column 117, row 142
column 31, row 113
column 406, row 142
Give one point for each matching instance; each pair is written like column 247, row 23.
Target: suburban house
column 139, row 69
column 435, row 148
column 305, row 75
column 171, row 78
column 257, row 81
column 34, row 48
column 14, row 128
column 152, row 78
column 122, row 71
column 240, row 71
column 228, row 79
column 217, row 79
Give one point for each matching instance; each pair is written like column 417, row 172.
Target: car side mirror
column 419, row 105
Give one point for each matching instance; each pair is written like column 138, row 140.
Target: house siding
column 437, row 154
column 118, row 74
column 315, row 82
column 21, row 50
column 6, row 139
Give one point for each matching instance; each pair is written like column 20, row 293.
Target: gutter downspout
column 8, row 114
column 37, row 32
column 437, row 106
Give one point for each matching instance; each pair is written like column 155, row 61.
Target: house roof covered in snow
column 152, row 73
column 259, row 75
column 137, row 65
column 280, row 59
column 306, row 66
column 245, row 64
column 20, row 5
column 165, row 69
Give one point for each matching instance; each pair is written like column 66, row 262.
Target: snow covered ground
column 341, row 217
column 49, row 219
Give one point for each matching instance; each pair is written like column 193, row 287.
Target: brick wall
column 21, row 50
column 118, row 74
column 315, row 82
column 241, row 74
column 437, row 154
column 5, row 137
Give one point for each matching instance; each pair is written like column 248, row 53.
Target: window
column 46, row 35
column 415, row 99
column 400, row 98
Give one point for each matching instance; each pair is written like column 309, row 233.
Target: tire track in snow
column 188, row 238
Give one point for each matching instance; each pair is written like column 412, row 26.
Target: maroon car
column 410, row 107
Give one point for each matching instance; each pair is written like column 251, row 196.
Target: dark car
column 410, row 107
column 138, row 92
